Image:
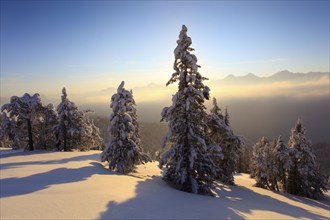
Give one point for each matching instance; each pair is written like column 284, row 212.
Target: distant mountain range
column 258, row 106
column 282, row 76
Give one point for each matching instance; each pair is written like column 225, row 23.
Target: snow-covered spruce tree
column 47, row 120
column 136, row 137
column 78, row 130
column 91, row 138
column 304, row 176
column 244, row 160
column 74, row 130
column 259, row 167
column 221, row 133
column 216, row 123
column 24, row 109
column 189, row 164
column 281, row 161
column 137, row 134
column 216, row 128
column 66, row 111
column 123, row 151
column 272, row 171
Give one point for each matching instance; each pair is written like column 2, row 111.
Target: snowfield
column 74, row 185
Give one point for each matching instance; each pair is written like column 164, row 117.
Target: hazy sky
column 90, row 46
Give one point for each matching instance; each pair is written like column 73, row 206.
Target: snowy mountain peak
column 284, row 75
column 251, row 75
column 283, row 72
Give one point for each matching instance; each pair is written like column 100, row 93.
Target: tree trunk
column 30, row 145
column 58, row 142
column 292, row 182
column 267, row 184
column 45, row 139
column 276, row 185
column 64, row 137
column 283, row 178
column 187, row 185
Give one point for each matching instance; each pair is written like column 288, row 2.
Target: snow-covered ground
column 73, row 185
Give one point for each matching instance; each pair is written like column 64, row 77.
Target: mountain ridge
column 281, row 76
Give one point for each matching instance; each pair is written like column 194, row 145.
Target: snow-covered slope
column 73, row 185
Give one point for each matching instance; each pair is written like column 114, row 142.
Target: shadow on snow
column 5, row 153
column 25, row 185
column 156, row 200
column 4, row 166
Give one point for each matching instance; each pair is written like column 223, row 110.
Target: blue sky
column 93, row 45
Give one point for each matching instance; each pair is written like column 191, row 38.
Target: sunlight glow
column 287, row 89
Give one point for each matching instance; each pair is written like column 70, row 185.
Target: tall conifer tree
column 188, row 161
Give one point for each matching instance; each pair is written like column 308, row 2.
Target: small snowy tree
column 189, row 164
column 222, row 134
column 46, row 121
column 244, row 160
column 66, row 111
column 281, row 161
column 24, row 109
column 91, row 138
column 74, row 129
column 271, row 168
column 304, row 178
column 271, row 162
column 259, row 167
column 123, row 151
column 263, row 167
